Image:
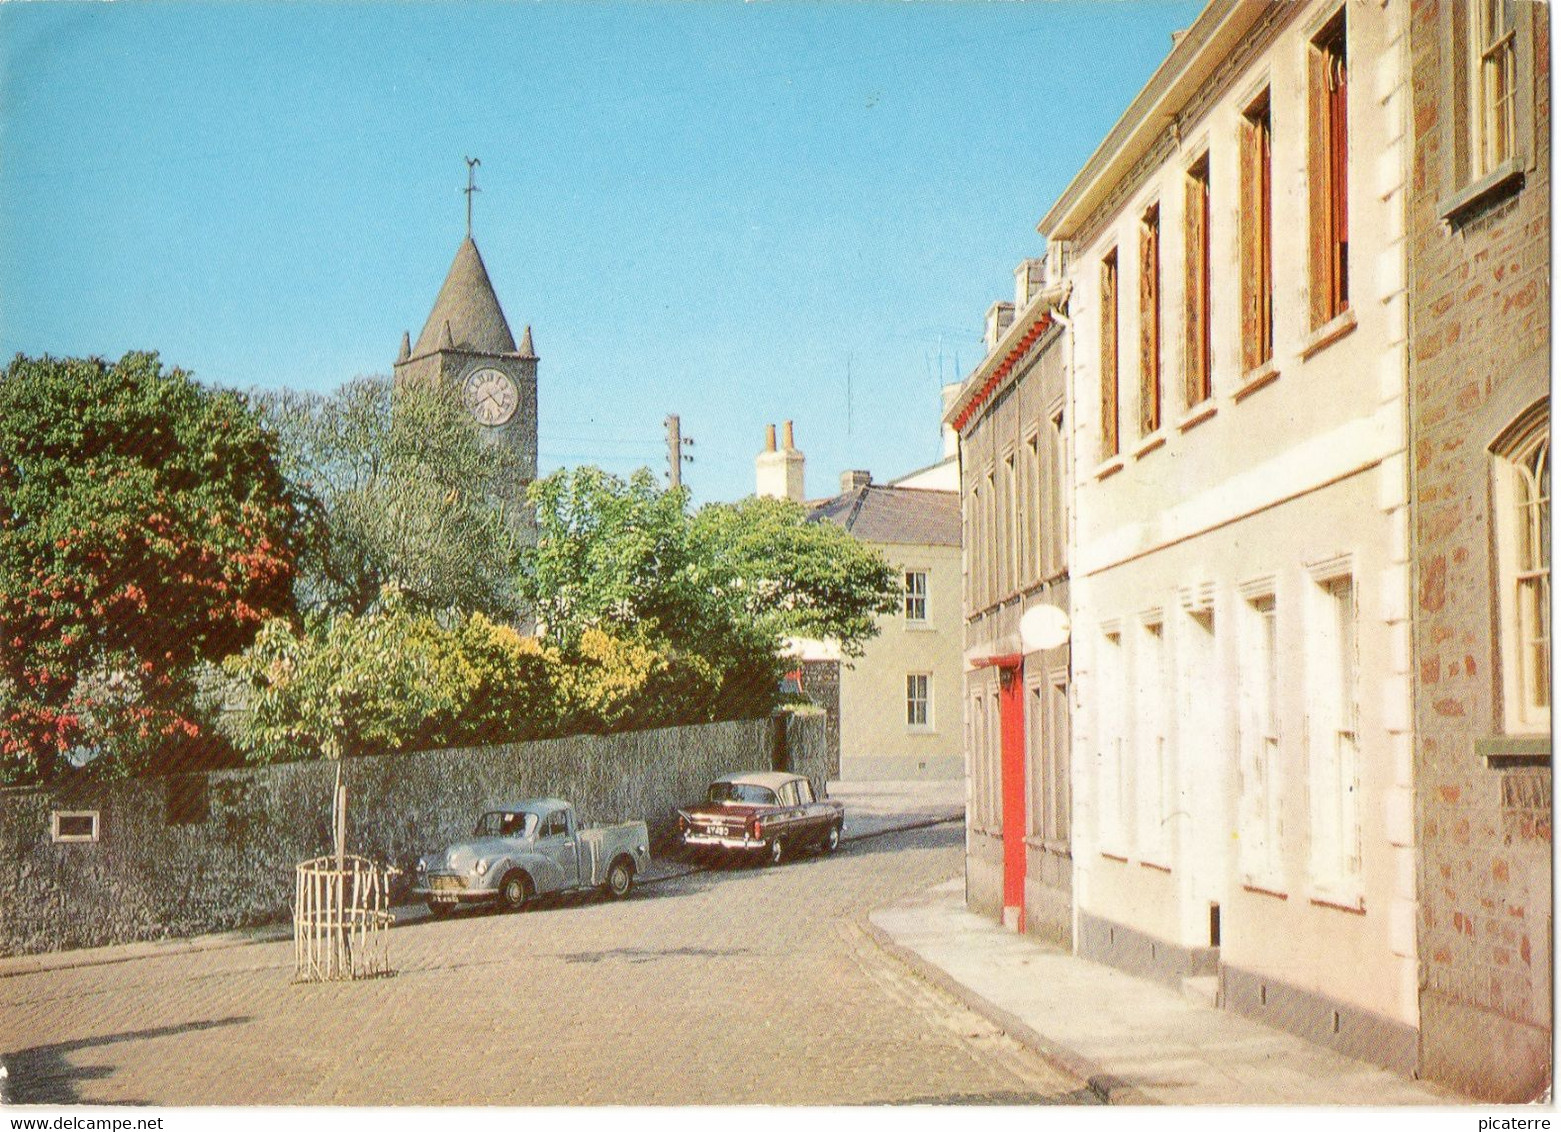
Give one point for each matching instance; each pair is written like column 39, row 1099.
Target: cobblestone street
column 733, row 986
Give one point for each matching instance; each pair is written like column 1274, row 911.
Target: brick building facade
column 1479, row 275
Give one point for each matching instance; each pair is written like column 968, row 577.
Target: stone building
column 466, row 345
column 1013, row 426
column 1479, row 320
column 893, row 712
column 1242, row 760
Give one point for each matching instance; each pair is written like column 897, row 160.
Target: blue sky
column 718, row 210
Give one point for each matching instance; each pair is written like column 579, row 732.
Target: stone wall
column 1480, row 355
column 191, row 854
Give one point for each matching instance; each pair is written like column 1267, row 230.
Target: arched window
column 1522, row 503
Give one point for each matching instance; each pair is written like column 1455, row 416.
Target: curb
column 1110, row 1089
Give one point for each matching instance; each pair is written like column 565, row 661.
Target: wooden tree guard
column 341, row 919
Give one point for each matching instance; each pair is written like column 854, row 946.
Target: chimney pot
column 769, row 438
column 789, row 441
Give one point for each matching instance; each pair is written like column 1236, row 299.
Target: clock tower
column 466, row 346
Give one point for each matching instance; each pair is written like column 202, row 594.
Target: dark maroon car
column 767, row 813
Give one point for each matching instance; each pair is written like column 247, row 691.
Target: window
column 916, row 596
column 1010, row 533
column 989, row 536
column 1257, row 236
column 1260, row 770
column 73, row 825
column 804, row 792
column 1199, row 347
column 1048, row 736
column 1332, row 710
column 1154, row 787
column 1495, row 68
column 1328, row 174
column 1110, row 443
column 1112, row 778
column 1149, row 322
column 1057, row 498
column 1035, row 559
column 918, row 691
column 1522, row 502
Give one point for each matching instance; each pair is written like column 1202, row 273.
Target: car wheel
column 438, row 909
column 831, row 839
column 777, row 851
column 514, row 891
column 620, row 879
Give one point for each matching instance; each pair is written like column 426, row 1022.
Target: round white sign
column 1044, row 627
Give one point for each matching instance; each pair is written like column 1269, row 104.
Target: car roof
column 774, row 779
column 539, row 806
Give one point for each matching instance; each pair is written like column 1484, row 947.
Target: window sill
column 1259, row 890
column 1329, row 332
column 911, row 729
column 1506, row 180
column 1113, row 857
column 1197, row 415
column 1109, row 468
column 1045, row 845
column 1149, row 443
column 1503, row 751
column 1355, row 905
column 1265, row 374
column 920, row 627
column 1153, row 867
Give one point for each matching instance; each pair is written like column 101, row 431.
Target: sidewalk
column 1134, row 1041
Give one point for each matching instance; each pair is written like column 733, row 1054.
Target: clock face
column 491, row 396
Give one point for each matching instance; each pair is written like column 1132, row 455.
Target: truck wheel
column 777, row 851
column 831, row 839
column 514, row 891
column 620, row 879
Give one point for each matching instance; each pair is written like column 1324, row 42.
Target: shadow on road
column 44, row 1074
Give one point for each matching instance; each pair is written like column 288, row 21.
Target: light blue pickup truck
column 530, row 849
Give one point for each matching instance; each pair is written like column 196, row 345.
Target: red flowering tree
column 145, row 531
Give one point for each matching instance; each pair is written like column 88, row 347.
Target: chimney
column 850, row 481
column 999, row 317
column 778, row 474
column 1029, row 279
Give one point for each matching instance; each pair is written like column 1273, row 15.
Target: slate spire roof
column 469, row 309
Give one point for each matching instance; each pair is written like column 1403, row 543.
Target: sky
column 741, row 213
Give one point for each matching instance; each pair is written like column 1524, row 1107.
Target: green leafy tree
column 393, row 679
column 793, row 577
column 404, row 492
column 715, row 592
column 145, row 530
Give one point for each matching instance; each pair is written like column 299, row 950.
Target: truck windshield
column 742, row 792
column 506, row 823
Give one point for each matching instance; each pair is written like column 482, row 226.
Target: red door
column 1011, row 709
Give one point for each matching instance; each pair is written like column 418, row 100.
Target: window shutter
column 1251, row 219
column 1195, row 360
column 1108, row 357
column 1319, row 178
column 1149, row 324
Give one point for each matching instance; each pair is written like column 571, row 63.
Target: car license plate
column 446, row 884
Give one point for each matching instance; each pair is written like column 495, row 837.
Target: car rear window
column 742, row 792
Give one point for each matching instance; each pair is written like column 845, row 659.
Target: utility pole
column 676, row 457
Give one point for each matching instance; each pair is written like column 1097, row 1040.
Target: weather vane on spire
column 471, row 187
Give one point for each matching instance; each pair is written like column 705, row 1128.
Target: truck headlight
column 481, row 866
column 422, row 864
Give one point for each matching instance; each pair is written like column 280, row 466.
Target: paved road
column 732, row 986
